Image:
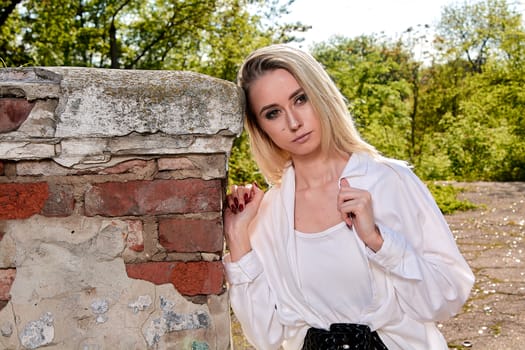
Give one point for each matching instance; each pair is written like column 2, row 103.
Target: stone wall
column 111, row 192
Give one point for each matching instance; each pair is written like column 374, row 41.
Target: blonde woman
column 347, row 249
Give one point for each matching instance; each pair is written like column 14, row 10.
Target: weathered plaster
column 73, row 270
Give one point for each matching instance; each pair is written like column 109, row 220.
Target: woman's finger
column 240, row 196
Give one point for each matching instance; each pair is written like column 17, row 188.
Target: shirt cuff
column 396, row 255
column 391, row 252
column 245, row 270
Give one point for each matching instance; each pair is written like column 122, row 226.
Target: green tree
column 242, row 167
column 491, row 119
column 416, row 40
column 476, row 31
column 238, row 31
column 10, row 49
column 203, row 35
column 374, row 75
column 471, row 98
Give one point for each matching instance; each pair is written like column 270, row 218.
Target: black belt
column 343, row 336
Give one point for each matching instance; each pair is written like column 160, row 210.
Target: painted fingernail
column 236, row 201
column 241, row 207
column 246, row 197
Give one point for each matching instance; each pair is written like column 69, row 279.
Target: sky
column 352, row 18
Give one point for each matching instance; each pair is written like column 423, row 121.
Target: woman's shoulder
column 387, row 166
column 397, row 174
column 388, row 173
column 272, row 191
column 271, row 198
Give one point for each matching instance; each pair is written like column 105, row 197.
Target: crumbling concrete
column 100, row 171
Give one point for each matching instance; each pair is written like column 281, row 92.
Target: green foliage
column 374, row 76
column 473, row 98
column 242, row 167
column 446, row 197
column 475, row 31
column 459, row 116
column 209, row 36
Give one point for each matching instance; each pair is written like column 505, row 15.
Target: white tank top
column 334, row 273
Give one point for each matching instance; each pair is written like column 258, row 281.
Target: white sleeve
column 253, row 302
column 431, row 278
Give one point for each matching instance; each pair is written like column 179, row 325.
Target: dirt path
column 492, row 239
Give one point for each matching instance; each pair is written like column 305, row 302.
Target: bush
column 446, row 196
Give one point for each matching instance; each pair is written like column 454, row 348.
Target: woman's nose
column 294, row 122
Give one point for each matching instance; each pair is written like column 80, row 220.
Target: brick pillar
column 111, row 192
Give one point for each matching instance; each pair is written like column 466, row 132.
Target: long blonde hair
column 338, row 130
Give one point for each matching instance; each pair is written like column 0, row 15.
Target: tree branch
column 114, row 52
column 162, row 34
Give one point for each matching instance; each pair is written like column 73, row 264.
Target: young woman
column 346, row 243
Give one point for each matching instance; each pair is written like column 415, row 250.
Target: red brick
column 13, row 112
column 191, row 235
column 61, row 201
column 22, row 200
column 7, row 276
column 154, row 272
column 189, row 278
column 153, row 197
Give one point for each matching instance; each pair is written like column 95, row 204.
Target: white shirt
column 417, row 277
column 338, row 287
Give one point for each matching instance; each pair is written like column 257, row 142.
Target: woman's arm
column 252, row 301
column 250, row 295
column 431, row 278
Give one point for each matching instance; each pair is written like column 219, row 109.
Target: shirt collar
column 357, row 166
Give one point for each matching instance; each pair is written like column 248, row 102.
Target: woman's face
column 285, row 113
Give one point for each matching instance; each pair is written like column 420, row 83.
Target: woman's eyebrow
column 295, row 93
column 271, row 105
column 267, row 107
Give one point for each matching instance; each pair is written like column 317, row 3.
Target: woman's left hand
column 356, row 210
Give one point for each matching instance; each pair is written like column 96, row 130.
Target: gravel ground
column 491, row 238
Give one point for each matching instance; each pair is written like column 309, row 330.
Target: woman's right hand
column 242, row 206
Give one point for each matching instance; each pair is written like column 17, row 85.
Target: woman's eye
column 272, row 114
column 301, row 98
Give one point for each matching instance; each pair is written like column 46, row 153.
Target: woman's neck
column 312, row 173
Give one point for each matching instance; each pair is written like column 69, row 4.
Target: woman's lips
column 303, row 138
